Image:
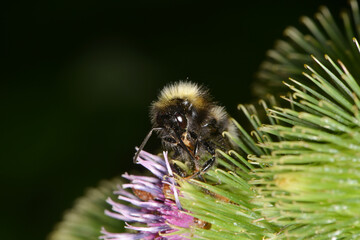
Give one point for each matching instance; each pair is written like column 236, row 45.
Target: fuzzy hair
column 194, row 93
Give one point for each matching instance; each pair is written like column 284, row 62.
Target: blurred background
column 78, row 78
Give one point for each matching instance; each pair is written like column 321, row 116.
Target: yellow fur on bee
column 182, row 90
column 218, row 113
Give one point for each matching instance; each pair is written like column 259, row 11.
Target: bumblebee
column 190, row 124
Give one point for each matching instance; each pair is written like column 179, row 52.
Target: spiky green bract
column 323, row 36
column 311, row 184
column 302, row 180
column 85, row 219
column 225, row 199
column 225, row 204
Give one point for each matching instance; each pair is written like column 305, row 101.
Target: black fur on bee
column 190, row 123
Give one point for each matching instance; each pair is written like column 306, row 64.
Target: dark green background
column 78, row 77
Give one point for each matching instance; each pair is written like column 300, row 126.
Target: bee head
column 175, row 116
column 188, row 121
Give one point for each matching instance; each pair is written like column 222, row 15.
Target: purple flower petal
column 154, row 229
column 152, row 211
column 149, row 205
column 122, row 192
column 154, row 158
column 153, row 190
column 144, row 178
column 117, row 216
column 172, row 181
column 124, row 236
column 131, row 214
column 155, row 169
column 134, row 216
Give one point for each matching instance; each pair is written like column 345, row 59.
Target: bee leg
column 208, row 164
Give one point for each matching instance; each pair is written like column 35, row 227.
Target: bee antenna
column 144, row 143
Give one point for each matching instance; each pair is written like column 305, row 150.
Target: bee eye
column 181, row 121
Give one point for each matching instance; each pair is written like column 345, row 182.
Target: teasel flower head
column 300, row 178
column 294, row 175
column 320, row 35
column 152, row 210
